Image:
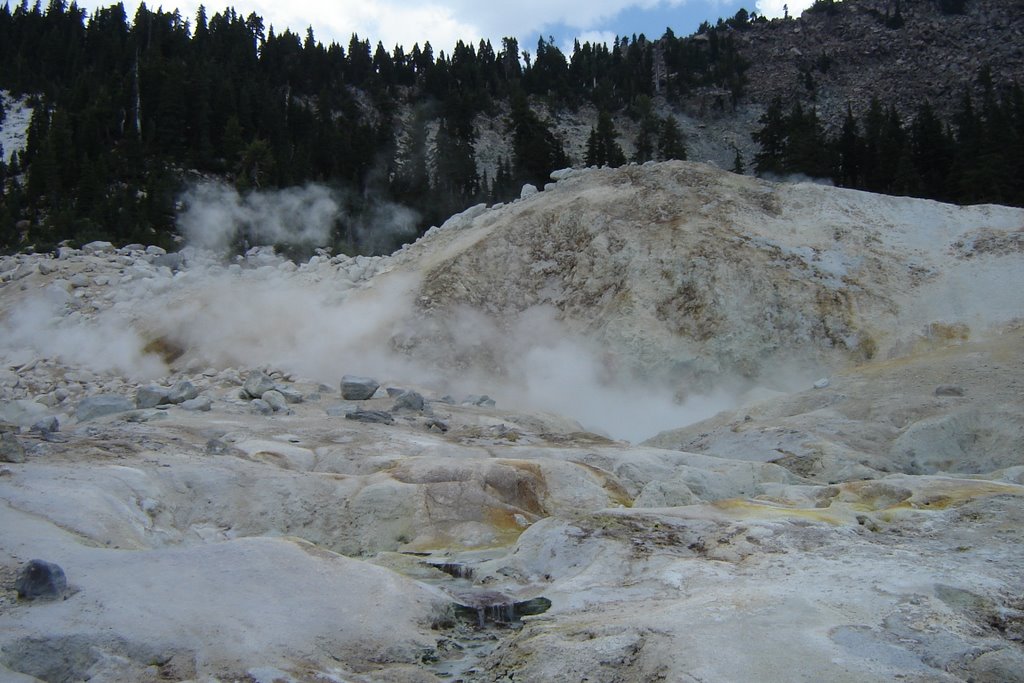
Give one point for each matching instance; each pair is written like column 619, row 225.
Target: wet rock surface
column 867, row 528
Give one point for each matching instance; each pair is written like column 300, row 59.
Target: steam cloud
column 216, row 216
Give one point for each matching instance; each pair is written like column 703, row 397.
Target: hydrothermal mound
column 829, row 384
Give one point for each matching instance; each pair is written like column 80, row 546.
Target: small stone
column 410, row 400
column 154, row 250
column 11, row 449
column 355, row 388
column 528, row 191
column 257, row 383
column 79, row 280
column 822, row 383
column 275, row 400
column 339, row 409
column 47, row 425
column 39, row 579
column 97, row 406
column 373, row 416
column 47, row 267
column 949, row 390
column 260, row 406
column 182, row 391
column 201, row 404
column 476, row 400
column 151, row 396
column 436, row 425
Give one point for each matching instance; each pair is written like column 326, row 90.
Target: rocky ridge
column 853, row 514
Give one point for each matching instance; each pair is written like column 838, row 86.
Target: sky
column 443, row 22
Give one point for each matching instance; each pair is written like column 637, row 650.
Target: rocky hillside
column 843, row 53
column 416, row 468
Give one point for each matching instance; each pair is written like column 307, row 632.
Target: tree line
column 978, row 157
column 128, row 109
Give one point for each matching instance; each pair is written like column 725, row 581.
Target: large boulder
column 257, row 383
column 40, row 579
column 105, row 404
column 354, row 388
column 11, row 449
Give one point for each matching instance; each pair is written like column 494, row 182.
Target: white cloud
column 775, row 8
column 442, row 22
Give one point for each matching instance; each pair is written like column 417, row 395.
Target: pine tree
column 670, row 142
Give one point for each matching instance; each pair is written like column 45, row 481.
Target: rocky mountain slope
column 828, row 383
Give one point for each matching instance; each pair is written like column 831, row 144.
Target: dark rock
column 447, row 398
column 105, row 404
column 41, row 580
column 436, row 425
column 11, row 449
column 374, row 416
column 257, row 384
column 409, row 400
column 181, row 392
column 151, row 396
column 355, row 388
column 949, row 390
column 47, row 425
column 475, row 400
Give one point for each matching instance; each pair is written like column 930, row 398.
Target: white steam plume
column 216, row 215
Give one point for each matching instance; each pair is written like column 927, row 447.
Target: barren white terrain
column 660, row 422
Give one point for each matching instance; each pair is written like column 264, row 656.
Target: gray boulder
column 373, row 416
column 182, row 391
column 97, row 247
column 105, row 404
column 290, row 395
column 476, row 400
column 257, row 383
column 39, row 579
column 949, row 390
column 409, row 400
column 260, row 406
column 355, row 388
column 151, row 396
column 11, row 449
column 275, row 400
column 47, row 425
column 202, row 404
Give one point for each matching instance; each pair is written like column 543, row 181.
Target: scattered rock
column 97, row 247
column 410, row 400
column 39, row 579
column 151, row 396
column 355, row 388
column 145, row 415
column 181, row 392
column 998, row 666
column 949, row 390
column 339, row 409
column 262, row 407
column 822, row 383
column 375, row 416
column 275, row 400
column 477, row 400
column 98, row 406
column 528, row 191
column 436, row 425
column 202, row 404
column 290, row 395
column 47, row 425
column 11, row 449
column 217, row 447
column 257, row 383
